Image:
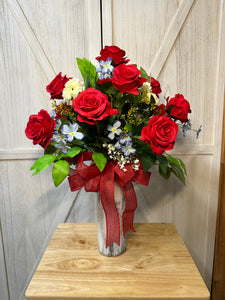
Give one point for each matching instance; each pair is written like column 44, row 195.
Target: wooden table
column 155, row 266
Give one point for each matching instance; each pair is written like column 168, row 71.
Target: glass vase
column 113, row 249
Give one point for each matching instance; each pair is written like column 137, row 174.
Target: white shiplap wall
column 181, row 42
column 38, row 39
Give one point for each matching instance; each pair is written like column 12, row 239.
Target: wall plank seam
column 5, row 265
column 31, row 38
column 170, row 37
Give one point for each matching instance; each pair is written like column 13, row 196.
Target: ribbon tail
column 131, row 205
column 109, row 206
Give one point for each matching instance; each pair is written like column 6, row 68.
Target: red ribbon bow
column 93, row 180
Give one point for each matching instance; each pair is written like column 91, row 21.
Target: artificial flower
column 114, row 130
column 115, row 53
column 71, row 132
column 40, row 128
column 93, row 106
column 72, row 88
column 126, row 79
column 56, row 86
column 179, row 108
column 160, row 133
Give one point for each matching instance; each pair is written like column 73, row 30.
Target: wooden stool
column 156, row 265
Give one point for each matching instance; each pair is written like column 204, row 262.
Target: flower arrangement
column 115, row 120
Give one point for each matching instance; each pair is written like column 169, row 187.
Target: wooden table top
column 156, row 265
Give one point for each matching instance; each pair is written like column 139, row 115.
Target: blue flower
column 52, row 114
column 63, row 147
column 198, row 132
column 71, row 132
column 125, row 138
column 105, row 69
column 127, row 149
column 58, row 124
column 57, row 137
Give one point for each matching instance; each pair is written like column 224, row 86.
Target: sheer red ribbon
column 93, row 180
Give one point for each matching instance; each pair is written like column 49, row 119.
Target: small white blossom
column 114, row 130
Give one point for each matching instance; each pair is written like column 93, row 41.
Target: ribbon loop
column 93, row 180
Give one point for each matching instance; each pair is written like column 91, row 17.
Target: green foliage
column 169, row 164
column 163, row 163
column 50, row 149
column 60, row 171
column 144, row 73
column 42, row 163
column 88, row 72
column 100, row 160
column 71, row 152
column 178, row 172
column 148, row 160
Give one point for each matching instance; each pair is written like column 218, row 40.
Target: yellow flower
column 146, row 93
column 72, row 88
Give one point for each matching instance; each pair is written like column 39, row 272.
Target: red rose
column 156, row 89
column 115, row 53
column 55, row 88
column 126, row 79
column 180, row 108
column 101, row 82
column 92, row 106
column 160, row 110
column 160, row 133
column 40, row 128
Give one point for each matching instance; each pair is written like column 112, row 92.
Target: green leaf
column 183, row 166
column 73, row 151
column 100, row 160
column 147, row 161
column 129, row 127
column 50, row 149
column 42, row 163
column 163, row 163
column 178, row 162
column 173, row 160
column 167, row 174
column 87, row 70
column 60, row 171
column 178, row 172
column 144, row 73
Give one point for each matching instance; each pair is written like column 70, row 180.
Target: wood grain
column 156, row 265
column 3, row 274
column 218, row 286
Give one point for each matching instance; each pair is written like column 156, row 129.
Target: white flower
column 114, row 130
column 72, row 88
column 71, row 132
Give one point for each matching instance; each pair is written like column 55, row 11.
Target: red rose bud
column 92, row 106
column 160, row 133
column 40, row 128
column 116, row 54
column 56, row 86
column 180, row 108
column 126, row 79
column 156, row 89
column 160, row 110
